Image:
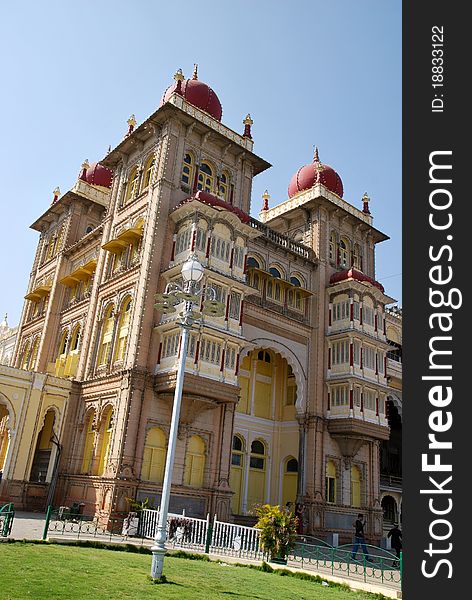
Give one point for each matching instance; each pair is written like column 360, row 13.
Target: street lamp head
column 192, row 270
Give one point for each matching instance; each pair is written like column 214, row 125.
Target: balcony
column 394, row 366
column 391, row 482
column 345, row 422
column 283, row 241
column 65, row 365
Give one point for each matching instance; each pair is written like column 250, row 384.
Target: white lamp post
column 192, row 273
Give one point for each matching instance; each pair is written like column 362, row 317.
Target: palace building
column 293, row 394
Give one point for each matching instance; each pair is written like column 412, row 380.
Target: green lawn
column 64, row 572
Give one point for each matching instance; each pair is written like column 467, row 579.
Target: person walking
column 359, row 538
column 396, row 536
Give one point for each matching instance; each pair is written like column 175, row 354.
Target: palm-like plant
column 278, row 529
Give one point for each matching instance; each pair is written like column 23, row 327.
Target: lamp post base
column 157, row 565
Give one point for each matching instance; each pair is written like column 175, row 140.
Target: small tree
column 278, row 530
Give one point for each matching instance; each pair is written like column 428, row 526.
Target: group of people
column 394, row 534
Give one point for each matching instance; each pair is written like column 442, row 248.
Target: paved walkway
column 30, row 526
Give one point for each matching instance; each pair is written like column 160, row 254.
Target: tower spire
column 365, row 200
column 265, row 198
column 316, row 157
column 248, row 122
column 178, row 77
column 195, row 71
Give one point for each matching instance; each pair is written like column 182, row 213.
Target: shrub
column 278, row 530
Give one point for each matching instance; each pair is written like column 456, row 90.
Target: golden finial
column 178, row 75
column 85, row 164
column 365, row 197
column 316, row 158
column 132, row 122
column 195, row 71
column 247, row 126
column 56, row 193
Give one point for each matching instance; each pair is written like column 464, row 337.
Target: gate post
column 46, row 524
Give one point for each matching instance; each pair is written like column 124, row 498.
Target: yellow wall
column 28, row 396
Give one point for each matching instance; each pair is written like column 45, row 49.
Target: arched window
column 187, row 169
column 389, row 507
column 355, row 486
column 132, row 187
column 332, row 247
column 123, row 330
column 263, row 356
column 344, row 253
column 205, row 177
column 295, row 281
column 195, row 462
column 257, row 475
column 252, row 262
column 44, row 445
column 291, row 387
column 330, row 482
column 257, row 455
column 154, row 456
column 34, row 352
column 25, row 355
column 149, row 170
column 275, row 272
column 89, row 444
column 290, row 481
column 236, row 473
column 75, row 339
column 357, row 257
column 106, row 431
column 224, row 185
column 107, row 335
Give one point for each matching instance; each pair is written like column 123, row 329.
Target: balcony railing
column 283, row 240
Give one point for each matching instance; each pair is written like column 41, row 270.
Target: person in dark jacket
column 359, row 538
column 396, row 536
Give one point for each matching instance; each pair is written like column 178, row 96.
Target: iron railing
column 7, row 514
column 228, row 539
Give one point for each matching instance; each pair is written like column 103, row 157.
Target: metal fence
column 377, row 565
column 228, row 539
column 7, row 514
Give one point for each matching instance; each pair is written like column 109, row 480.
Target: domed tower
column 316, row 172
column 96, row 174
column 196, row 92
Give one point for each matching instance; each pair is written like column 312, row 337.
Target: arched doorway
column 390, row 511
column 391, row 450
column 4, row 437
column 43, row 450
column 265, row 446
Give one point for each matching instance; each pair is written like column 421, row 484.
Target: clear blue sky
column 309, row 72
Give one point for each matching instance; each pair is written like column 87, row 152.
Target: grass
column 48, row 571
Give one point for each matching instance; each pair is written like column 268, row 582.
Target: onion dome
column 211, row 200
column 97, row 174
column 309, row 175
column 196, row 92
column 357, row 275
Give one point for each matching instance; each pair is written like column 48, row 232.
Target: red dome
column 97, row 174
column 199, row 94
column 309, row 175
